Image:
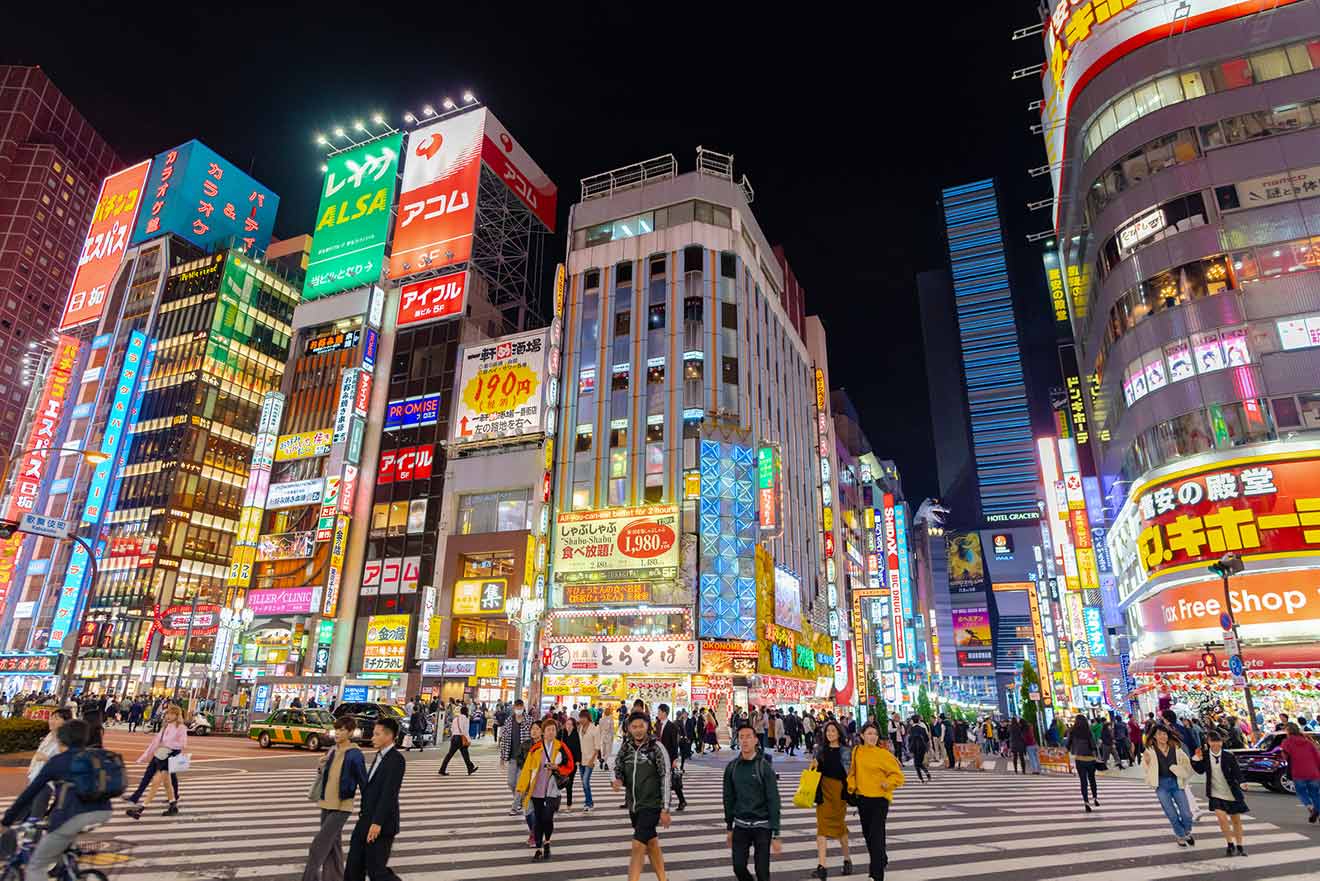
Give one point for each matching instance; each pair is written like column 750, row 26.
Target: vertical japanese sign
column 905, row 579
column 258, row 485
column 115, row 425
column 895, row 581
column 353, row 219
column 103, row 249
column 438, row 201
column 387, row 644
column 31, row 468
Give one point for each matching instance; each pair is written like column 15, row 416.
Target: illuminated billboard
column 103, row 249
column 966, row 562
column 971, row 637
column 524, row 178
column 501, row 389
column 438, row 201
column 115, row 425
column 353, row 219
column 30, row 469
column 617, row 544
column 433, row 299
column 198, row 195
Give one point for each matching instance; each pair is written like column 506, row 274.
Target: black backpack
column 97, row 774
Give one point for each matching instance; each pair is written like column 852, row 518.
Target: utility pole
column 1231, row 564
column 187, row 641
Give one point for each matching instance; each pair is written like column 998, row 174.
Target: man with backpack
column 515, row 742
column 77, row 785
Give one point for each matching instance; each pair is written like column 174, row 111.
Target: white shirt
column 459, row 728
column 376, row 760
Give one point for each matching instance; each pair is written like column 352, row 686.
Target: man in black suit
column 378, row 813
column 667, row 733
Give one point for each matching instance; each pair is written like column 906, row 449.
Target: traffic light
column 7, row 529
column 1210, row 663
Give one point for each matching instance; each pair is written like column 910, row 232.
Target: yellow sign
column 387, row 644
column 692, row 484
column 594, row 686
column 501, row 389
column 820, row 390
column 303, row 445
column 433, row 635
column 827, row 518
column 480, row 596
column 488, row 668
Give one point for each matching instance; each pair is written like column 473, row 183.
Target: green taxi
column 313, row 729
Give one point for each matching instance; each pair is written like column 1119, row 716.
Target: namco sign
column 432, row 300
column 1258, row 599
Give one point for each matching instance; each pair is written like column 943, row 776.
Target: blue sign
column 1124, row 662
column 197, row 194
column 1225, row 622
column 132, row 424
column 261, row 698
column 1235, row 665
column 905, row 575
column 71, row 594
column 370, row 342
column 354, row 693
column 411, row 412
column 115, row 424
column 781, row 657
column 1095, row 631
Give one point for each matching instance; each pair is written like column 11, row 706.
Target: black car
column 1266, row 764
column 366, row 713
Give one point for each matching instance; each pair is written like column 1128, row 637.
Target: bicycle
column 18, row 844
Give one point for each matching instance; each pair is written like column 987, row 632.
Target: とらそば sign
column 501, row 389
column 386, row 645
column 623, row 544
column 1253, row 505
column 637, row 656
column 480, row 596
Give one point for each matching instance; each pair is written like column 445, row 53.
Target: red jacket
column 1303, row 757
column 1134, row 732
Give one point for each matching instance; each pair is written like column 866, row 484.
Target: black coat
column 669, row 738
column 1229, row 765
column 380, row 795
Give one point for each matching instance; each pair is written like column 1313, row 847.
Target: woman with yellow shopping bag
column 873, row 775
column 830, row 767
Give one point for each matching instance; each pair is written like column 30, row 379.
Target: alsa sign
column 426, row 301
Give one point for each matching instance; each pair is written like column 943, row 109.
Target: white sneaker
column 586, row 809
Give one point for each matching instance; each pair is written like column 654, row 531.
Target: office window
column 505, row 511
column 583, row 444
column 730, row 370
column 623, row 273
column 692, row 258
column 656, row 316
column 622, row 322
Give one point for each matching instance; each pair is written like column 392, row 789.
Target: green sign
column 353, row 219
column 325, row 632
column 765, row 467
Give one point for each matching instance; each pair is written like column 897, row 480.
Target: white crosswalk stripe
column 258, row 825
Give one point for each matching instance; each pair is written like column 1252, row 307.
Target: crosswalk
column 258, row 824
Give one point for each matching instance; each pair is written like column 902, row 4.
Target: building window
column 619, row 379
column 692, row 258
column 656, row 316
column 623, row 273
column 730, row 370
column 729, row 316
column 506, row 511
column 591, row 279
column 622, row 322
column 583, row 439
column 657, row 265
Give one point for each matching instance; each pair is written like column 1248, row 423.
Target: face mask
column 518, row 713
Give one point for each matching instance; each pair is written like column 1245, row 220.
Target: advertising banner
column 412, row 412
column 285, row 546
column 617, row 544
column 433, row 299
column 332, row 342
column 438, row 201
column 353, row 219
column 971, row 636
column 281, row 601
column 103, row 249
column 408, row 463
column 294, row 493
column 303, row 445
column 630, row 594
column 334, row 573
column 30, row 469
column 387, row 644
column 480, row 596
column 640, row 656
column 511, row 164
column 115, row 425
column 501, row 389
column 788, row 600
column 1252, row 505
column 1268, row 598
column 966, row 563
column 198, row 195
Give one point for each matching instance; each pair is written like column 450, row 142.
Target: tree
column 1030, row 683
column 882, row 718
column 924, row 708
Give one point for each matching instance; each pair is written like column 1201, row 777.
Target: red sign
column 363, row 398
column 408, row 463
column 431, row 300
column 1264, row 598
column 174, row 620
column 766, row 503
column 643, row 539
column 511, row 164
column 46, row 421
column 1249, row 505
column 107, row 238
column 438, row 200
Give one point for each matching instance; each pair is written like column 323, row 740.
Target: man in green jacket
column 751, row 807
column 642, row 768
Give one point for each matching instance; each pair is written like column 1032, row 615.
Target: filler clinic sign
column 107, row 239
column 353, row 220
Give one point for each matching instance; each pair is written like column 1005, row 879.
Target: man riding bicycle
column 60, row 785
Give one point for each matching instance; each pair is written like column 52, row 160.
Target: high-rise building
column 688, row 442
column 1184, row 266
column 994, row 381
column 51, row 165
column 954, row 464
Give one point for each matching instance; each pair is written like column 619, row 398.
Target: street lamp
column 1231, row 564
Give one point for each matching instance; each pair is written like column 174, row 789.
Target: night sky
column 847, row 124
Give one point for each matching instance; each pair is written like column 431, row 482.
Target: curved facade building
column 1184, row 140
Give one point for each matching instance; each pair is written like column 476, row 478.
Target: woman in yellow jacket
column 872, row 779
column 548, row 762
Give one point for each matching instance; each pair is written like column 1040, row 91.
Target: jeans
column 325, row 858
column 584, row 771
column 512, row 771
column 54, row 842
column 1173, row 798
column 1086, row 774
column 1308, row 793
column 757, row 840
column 1033, row 758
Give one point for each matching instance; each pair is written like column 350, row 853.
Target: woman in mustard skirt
column 832, row 760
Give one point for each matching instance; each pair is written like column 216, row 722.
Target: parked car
column 1266, row 764
column 365, row 713
column 312, row 729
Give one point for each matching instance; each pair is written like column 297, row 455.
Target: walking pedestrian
column 1122, row 746
column 832, row 759
column 712, row 732
column 751, row 808
column 417, row 727
column 459, row 741
column 50, row 744
column 1135, row 737
column 339, row 774
column 667, row 733
column 1033, row 748
column 1223, row 787
column 549, row 765
column 589, row 739
column 1304, row 766
column 378, row 811
column 918, row 743
column 1081, row 743
column 573, row 741
column 608, row 729
column 168, row 742
column 515, row 740
column 642, row 770
column 135, row 710
column 873, row 776
column 1167, row 769
column 1017, row 743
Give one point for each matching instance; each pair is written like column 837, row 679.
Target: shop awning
column 1272, row 657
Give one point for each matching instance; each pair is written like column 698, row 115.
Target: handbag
column 805, row 797
column 180, row 763
column 314, row 794
column 467, row 741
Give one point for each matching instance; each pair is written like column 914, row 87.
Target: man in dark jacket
column 667, row 733
column 69, row 812
column 515, row 740
column 642, row 768
column 378, row 810
column 751, row 807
